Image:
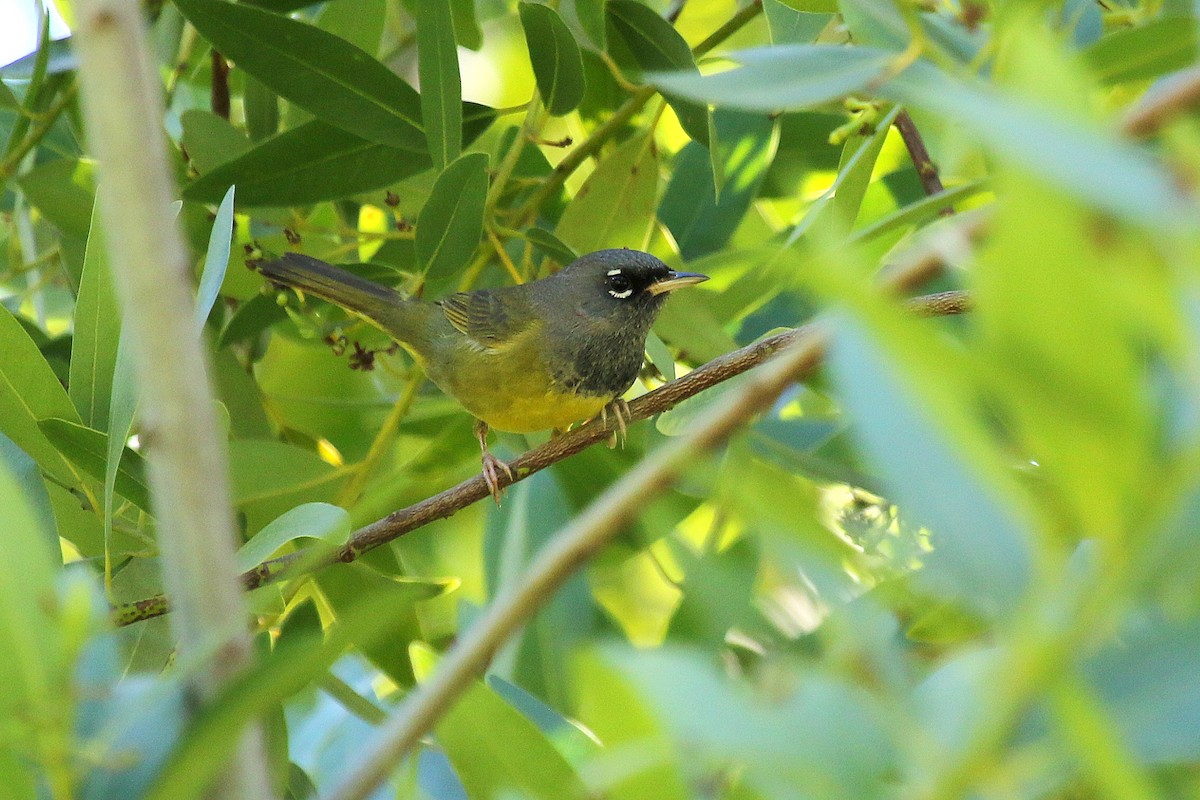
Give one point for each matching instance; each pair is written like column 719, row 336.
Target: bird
column 536, row 356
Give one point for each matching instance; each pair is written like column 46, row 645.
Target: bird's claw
column 492, row 467
column 621, row 413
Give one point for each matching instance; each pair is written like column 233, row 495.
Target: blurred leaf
column 33, row 669
column 615, row 206
column 526, row 763
column 216, row 260
column 642, row 42
column 251, row 318
column 701, row 222
column 1146, row 679
column 451, row 222
column 782, row 77
column 913, row 427
column 63, row 190
column 812, row 6
column 25, row 476
column 877, row 23
column 309, row 521
column 557, row 63
column 718, row 590
column 210, row 140
column 1146, row 51
column 97, row 331
column 269, row 478
column 586, row 17
column 441, row 87
column 262, row 110
column 466, row 24
column 59, row 58
column 537, row 659
column 817, row 732
column 790, row 25
column 566, row 736
column 325, row 75
column 88, row 449
column 29, row 392
column 210, row 740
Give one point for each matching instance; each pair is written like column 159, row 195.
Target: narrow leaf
column 557, row 61
column 87, row 448
column 323, row 74
column 29, row 391
column 451, row 222
column 615, row 206
column 441, row 86
column 97, row 330
column 308, row 521
column 216, row 260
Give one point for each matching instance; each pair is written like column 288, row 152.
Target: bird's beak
column 676, row 280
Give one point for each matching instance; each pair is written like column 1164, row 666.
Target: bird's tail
column 385, row 307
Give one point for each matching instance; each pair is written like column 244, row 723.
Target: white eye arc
column 619, row 285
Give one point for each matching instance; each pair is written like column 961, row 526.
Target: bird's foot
column 492, row 466
column 620, row 411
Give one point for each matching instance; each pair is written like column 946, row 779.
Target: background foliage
column 960, row 562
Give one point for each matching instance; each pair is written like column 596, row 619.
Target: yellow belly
column 538, row 413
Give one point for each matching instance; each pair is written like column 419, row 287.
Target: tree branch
column 450, row 501
column 927, row 171
column 123, row 107
column 1176, row 95
column 797, row 353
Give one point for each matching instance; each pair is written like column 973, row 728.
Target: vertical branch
column 123, row 108
column 926, row 170
column 220, row 85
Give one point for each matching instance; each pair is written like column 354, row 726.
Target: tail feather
column 385, row 307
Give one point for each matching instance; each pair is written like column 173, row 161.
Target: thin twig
column 1177, row 95
column 220, row 86
column 454, row 499
column 927, row 171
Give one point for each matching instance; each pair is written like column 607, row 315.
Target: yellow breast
column 527, row 413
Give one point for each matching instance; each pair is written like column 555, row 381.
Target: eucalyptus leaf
column 451, row 222
column 87, row 448
column 441, row 87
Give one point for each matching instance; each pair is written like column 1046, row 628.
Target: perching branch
column 1177, row 94
column 450, row 501
column 797, row 353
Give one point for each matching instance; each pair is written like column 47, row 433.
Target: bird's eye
column 619, row 286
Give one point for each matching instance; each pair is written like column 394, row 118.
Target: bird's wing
column 486, row 317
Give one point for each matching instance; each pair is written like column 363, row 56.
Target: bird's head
column 625, row 283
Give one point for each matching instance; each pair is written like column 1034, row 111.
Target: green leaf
column 782, row 77
column 550, row 245
column 316, row 162
column 877, row 23
column 360, row 23
column 911, row 421
column 215, row 733
column 262, row 110
column 451, row 222
column 210, row 140
column 794, row 26
column 554, row 53
column 29, row 392
column 87, row 448
column 526, row 764
column 466, row 24
column 642, row 41
column 216, row 260
column 345, row 584
column 28, row 478
column 1147, row 51
column 743, row 149
column 586, row 18
column 35, row 700
column 323, row 74
column 309, row 521
column 63, row 190
column 441, row 86
column 615, row 205
column 97, row 331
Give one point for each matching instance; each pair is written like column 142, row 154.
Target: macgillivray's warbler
column 523, row 358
